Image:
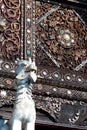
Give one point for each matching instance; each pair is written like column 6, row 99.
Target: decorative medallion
column 61, row 35
column 66, row 38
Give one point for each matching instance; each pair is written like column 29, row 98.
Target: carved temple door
column 55, row 36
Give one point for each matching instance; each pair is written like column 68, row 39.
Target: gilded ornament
column 39, row 86
column 8, row 82
column 28, row 41
column 83, row 94
column 54, row 89
column 7, row 66
column 3, row 22
column 1, row 37
column 66, row 38
column 28, row 52
column 2, row 7
column 69, row 92
column 53, row 48
column 28, row 30
column 3, row 93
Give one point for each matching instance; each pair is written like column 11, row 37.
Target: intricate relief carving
column 55, row 91
column 62, row 110
column 6, row 97
column 10, row 29
column 30, row 29
column 6, row 66
column 62, row 34
column 59, row 77
column 58, row 92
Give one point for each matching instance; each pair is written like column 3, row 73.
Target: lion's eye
column 30, row 70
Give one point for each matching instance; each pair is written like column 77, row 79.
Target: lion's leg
column 30, row 126
column 16, row 125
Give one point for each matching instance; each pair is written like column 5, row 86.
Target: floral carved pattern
column 10, row 29
column 62, row 36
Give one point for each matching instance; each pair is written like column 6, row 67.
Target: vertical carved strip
column 30, row 29
column 10, row 29
column 33, row 31
column 22, row 29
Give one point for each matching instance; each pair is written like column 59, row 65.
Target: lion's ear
column 34, row 63
column 30, row 61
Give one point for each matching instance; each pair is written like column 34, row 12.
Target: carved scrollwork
column 60, row 40
column 10, row 29
column 62, row 110
column 62, row 33
column 15, row 26
column 11, row 15
column 12, row 4
column 10, row 48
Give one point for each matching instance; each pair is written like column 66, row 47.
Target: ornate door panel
column 61, row 57
column 58, row 38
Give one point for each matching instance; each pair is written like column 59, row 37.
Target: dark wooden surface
column 39, row 127
column 77, row 3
